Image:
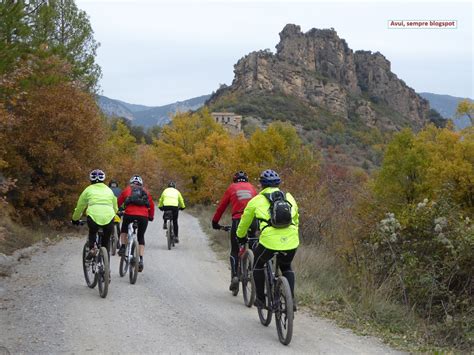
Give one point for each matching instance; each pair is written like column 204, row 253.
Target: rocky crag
column 318, row 69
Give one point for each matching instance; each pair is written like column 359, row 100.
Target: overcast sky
column 159, row 52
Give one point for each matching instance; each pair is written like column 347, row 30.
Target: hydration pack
column 280, row 210
column 138, row 197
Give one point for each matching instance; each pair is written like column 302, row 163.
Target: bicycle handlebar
column 226, row 228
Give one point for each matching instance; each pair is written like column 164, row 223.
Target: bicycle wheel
column 284, row 311
column 103, row 272
column 123, row 266
column 265, row 315
column 113, row 244
column 169, row 234
column 248, row 283
column 133, row 265
column 88, row 266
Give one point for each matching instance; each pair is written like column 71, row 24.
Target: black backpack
column 280, row 210
column 138, row 197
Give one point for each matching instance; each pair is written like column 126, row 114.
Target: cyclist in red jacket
column 138, row 206
column 238, row 194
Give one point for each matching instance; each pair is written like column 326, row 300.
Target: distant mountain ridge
column 446, row 105
column 148, row 116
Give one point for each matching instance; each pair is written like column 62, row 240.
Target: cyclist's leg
column 175, row 221
column 261, row 256
column 108, row 230
column 93, row 228
column 142, row 225
column 234, row 247
column 284, row 261
column 126, row 220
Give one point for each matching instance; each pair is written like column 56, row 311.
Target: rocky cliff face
column 319, row 68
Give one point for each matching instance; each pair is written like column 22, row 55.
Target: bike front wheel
column 133, row 264
column 284, row 311
column 248, row 283
column 265, row 314
column 123, row 266
column 90, row 275
column 103, row 272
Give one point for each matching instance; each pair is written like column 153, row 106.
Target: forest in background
column 393, row 247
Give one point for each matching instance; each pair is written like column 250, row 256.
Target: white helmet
column 97, row 175
column 136, row 179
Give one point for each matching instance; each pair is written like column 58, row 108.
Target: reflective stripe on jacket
column 238, row 194
column 270, row 237
column 100, row 202
column 171, row 197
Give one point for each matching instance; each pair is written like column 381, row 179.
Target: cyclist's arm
column 246, row 219
column 294, row 208
column 81, row 205
column 160, row 201
column 115, row 204
column 222, row 206
column 151, row 210
column 181, row 201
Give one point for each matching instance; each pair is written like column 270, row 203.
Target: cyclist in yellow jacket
column 272, row 239
column 101, row 205
column 172, row 200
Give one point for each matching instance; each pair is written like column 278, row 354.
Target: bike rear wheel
column 169, row 234
column 87, row 265
column 248, row 283
column 133, row 264
column 265, row 315
column 284, row 310
column 103, row 272
column 113, row 244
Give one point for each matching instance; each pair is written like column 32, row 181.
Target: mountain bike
column 170, row 237
column 97, row 269
column 129, row 260
column 245, row 270
column 278, row 301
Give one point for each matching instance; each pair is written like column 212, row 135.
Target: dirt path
column 180, row 304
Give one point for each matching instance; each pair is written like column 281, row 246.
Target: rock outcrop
column 319, row 68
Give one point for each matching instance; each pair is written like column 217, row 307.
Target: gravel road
column 180, row 304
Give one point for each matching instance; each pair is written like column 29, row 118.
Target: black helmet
column 269, row 178
column 172, row 184
column 240, row 176
column 97, row 175
column 113, row 183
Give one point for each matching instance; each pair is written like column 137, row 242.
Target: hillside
column 446, row 105
column 147, row 116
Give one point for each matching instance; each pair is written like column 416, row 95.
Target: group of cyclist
column 251, row 216
column 135, row 202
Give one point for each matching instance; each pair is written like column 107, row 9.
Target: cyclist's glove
column 216, row 225
column 76, row 223
column 181, row 208
column 160, row 208
column 150, row 219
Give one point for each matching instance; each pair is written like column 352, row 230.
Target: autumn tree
column 53, row 135
column 466, row 107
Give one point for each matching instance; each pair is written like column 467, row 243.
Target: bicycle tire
column 89, row 275
column 123, row 266
column 113, row 244
column 103, row 272
column 284, row 313
column 169, row 233
column 265, row 315
column 248, row 283
column 133, row 264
